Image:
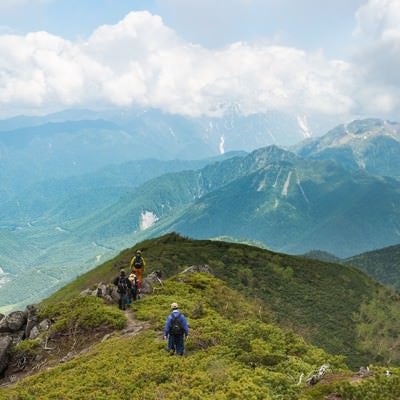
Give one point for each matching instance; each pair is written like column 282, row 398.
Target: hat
column 122, row 272
column 138, row 252
column 132, row 277
column 174, row 306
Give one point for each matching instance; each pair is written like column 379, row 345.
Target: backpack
column 176, row 327
column 122, row 285
column 138, row 261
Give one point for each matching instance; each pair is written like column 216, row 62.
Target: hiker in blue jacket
column 176, row 330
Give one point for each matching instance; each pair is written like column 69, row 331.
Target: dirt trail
column 133, row 326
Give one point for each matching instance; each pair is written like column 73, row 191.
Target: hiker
column 138, row 264
column 132, row 295
column 124, row 286
column 176, row 330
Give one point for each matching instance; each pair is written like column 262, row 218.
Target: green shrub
column 83, row 313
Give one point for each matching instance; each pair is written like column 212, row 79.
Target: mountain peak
column 370, row 144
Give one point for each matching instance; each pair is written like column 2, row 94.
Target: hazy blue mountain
column 370, row 144
column 39, row 233
column 271, row 196
column 382, row 264
column 56, row 201
column 73, row 142
column 297, row 207
column 322, row 256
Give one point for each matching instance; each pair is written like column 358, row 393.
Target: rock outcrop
column 18, row 326
column 198, row 268
column 151, row 282
column 5, row 344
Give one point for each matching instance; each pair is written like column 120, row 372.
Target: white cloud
column 378, row 60
column 142, row 61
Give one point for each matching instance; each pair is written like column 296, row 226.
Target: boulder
column 108, row 299
column 86, row 292
column 5, row 344
column 113, row 293
column 4, row 325
column 198, row 268
column 150, row 281
column 16, row 320
column 101, row 290
column 16, row 337
column 34, row 333
column 44, row 325
column 32, row 319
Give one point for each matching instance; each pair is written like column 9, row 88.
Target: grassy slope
column 381, row 264
column 233, row 350
column 318, row 300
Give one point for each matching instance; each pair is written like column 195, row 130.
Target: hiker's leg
column 138, row 272
column 179, row 343
column 124, row 301
column 171, row 345
column 120, row 302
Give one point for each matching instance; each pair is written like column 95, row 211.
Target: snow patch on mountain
column 262, row 185
column 221, row 145
column 298, row 181
column 277, row 177
column 303, row 124
column 286, row 184
column 147, row 219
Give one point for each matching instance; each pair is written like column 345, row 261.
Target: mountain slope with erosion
column 371, row 144
column 296, row 205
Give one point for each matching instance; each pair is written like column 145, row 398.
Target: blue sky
column 336, row 58
column 308, row 24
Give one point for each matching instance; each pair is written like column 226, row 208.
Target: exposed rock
column 34, row 333
column 17, row 337
column 86, row 292
column 4, row 325
column 101, row 290
column 151, row 280
column 32, row 319
column 68, row 357
column 16, row 320
column 5, row 344
column 1, row 316
column 112, row 292
column 108, row 299
column 198, row 268
column 44, row 325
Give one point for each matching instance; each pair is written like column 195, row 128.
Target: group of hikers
column 176, row 328
column 128, row 286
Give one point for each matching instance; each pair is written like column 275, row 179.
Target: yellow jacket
column 143, row 263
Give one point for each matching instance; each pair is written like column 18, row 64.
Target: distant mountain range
column 59, row 227
column 382, row 264
column 372, row 145
column 74, row 142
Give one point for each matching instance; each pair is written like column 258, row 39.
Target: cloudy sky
column 315, row 57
